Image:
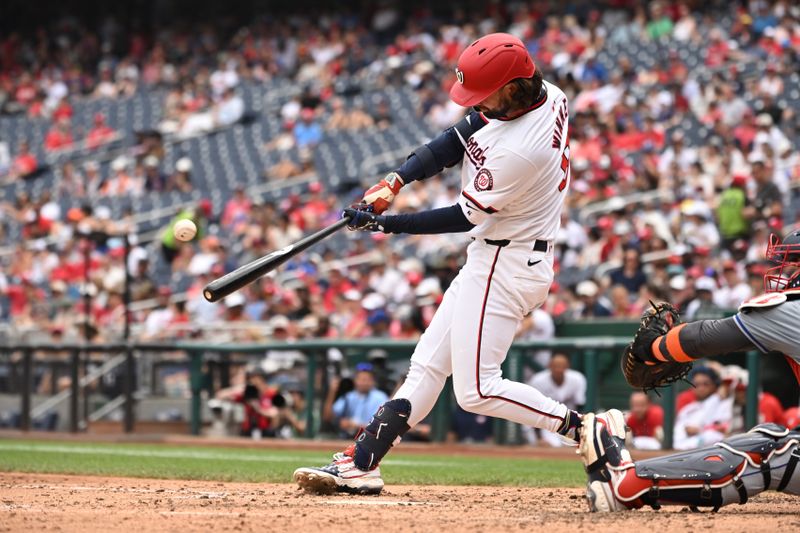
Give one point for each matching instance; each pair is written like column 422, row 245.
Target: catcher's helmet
column 786, row 253
column 488, row 64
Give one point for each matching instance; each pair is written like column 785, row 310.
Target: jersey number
column 564, row 168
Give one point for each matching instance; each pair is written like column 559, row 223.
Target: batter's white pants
column 470, row 335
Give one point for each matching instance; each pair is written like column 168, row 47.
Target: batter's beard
column 500, row 112
column 496, row 113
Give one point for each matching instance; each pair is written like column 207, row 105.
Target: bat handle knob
column 208, row 295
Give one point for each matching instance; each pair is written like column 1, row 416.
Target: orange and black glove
column 642, row 369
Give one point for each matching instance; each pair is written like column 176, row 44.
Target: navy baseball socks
column 569, row 429
column 355, row 470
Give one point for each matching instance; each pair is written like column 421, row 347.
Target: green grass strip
column 274, row 466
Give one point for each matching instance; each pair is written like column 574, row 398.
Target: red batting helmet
column 785, row 253
column 488, row 64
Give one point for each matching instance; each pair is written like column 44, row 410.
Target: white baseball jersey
column 515, row 173
column 515, row 176
column 572, row 392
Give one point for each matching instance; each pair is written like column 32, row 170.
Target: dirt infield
column 37, row 502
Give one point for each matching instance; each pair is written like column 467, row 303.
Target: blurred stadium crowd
column 683, row 133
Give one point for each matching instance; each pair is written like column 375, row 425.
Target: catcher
column 736, row 468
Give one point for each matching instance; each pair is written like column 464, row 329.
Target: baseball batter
column 514, row 150
column 738, row 467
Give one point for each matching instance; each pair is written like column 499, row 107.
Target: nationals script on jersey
column 515, row 173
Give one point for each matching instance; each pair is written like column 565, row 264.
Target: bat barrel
column 246, row 274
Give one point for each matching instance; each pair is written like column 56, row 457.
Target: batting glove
column 363, row 219
column 381, row 195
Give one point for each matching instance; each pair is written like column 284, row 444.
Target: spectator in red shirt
column 684, row 398
column 25, row 163
column 717, row 52
column 769, row 407
column 26, row 90
column 260, row 415
column 338, row 284
column 237, row 210
column 100, row 133
column 63, row 111
column 646, row 421
column 59, row 136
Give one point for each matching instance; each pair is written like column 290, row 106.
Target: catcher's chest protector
column 730, row 471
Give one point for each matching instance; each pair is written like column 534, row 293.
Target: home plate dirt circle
column 40, row 502
column 371, row 501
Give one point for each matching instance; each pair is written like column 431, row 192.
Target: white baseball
column 184, row 230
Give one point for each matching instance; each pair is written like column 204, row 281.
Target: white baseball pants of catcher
column 471, row 332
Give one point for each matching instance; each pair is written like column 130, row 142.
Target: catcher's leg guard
column 386, row 427
column 731, row 471
column 602, row 441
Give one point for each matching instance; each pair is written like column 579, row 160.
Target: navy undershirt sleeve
column 444, row 220
column 447, row 150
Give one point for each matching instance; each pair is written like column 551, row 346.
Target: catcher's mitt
column 641, row 369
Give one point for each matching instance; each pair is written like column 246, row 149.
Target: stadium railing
column 19, row 359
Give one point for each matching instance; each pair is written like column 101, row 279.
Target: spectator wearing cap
column 121, row 182
column 770, row 409
column 355, row 409
column 379, row 322
column 734, row 290
column 767, row 132
column 589, row 305
column 100, row 133
column 697, row 225
column 703, row 306
column 703, row 421
column 256, row 395
column 154, row 179
column 281, row 330
column 768, row 201
column 181, row 179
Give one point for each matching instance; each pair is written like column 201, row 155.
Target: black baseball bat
column 246, row 274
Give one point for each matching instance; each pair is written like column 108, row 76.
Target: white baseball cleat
column 601, row 498
column 341, row 475
column 602, row 449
